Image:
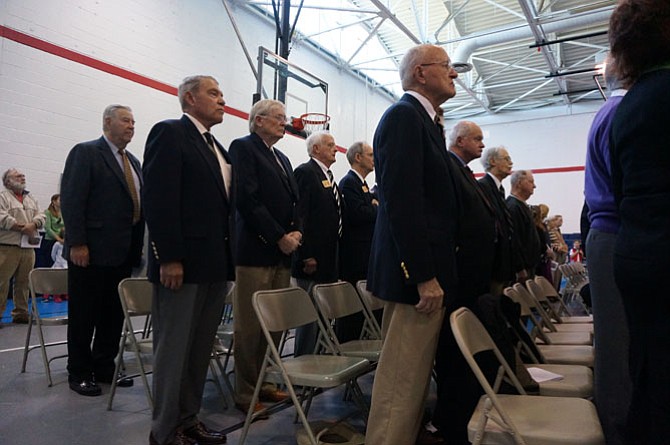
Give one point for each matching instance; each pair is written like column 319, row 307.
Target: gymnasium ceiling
column 369, row 37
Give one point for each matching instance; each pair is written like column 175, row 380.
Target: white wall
column 49, row 103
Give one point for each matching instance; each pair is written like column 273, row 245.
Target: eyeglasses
column 281, row 118
column 446, row 64
column 505, row 158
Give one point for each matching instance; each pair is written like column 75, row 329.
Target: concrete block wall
column 49, row 102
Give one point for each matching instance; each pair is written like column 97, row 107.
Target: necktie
column 440, row 127
column 336, row 194
column 502, row 191
column 210, row 139
column 130, row 181
column 226, row 172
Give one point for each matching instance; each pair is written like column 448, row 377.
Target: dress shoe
column 85, row 387
column 258, row 408
column 179, row 439
column 121, row 380
column 20, row 319
column 425, row 437
column 203, row 435
column 273, row 396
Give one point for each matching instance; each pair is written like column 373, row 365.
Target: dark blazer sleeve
column 307, row 185
column 75, row 186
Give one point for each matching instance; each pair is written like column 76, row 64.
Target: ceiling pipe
column 465, row 49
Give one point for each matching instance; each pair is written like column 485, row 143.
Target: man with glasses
column 267, row 233
column 413, row 261
column 498, row 165
column 19, row 215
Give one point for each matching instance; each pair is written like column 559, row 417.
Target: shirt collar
column 322, row 165
column 497, row 181
column 618, row 92
column 201, row 128
column 359, row 175
column 425, row 103
column 463, row 164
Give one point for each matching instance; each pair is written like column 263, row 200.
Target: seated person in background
column 576, row 253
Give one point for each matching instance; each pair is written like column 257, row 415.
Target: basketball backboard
column 301, row 91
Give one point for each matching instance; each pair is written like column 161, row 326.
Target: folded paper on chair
column 542, row 375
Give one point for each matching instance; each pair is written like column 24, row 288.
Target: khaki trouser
column 15, row 262
column 403, row 375
column 250, row 343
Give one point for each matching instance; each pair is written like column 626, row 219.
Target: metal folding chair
column 44, row 281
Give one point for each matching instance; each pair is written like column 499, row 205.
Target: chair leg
column 119, row 359
column 26, row 349
column 43, row 348
column 254, row 399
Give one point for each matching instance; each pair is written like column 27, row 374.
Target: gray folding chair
column 519, row 419
column 549, row 353
column 336, row 300
column 371, row 305
column 546, row 294
column 136, row 295
column 279, row 311
column 44, row 281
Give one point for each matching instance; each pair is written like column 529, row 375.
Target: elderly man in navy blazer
column 320, row 208
column 267, row 233
column 100, row 192
column 413, row 257
column 188, row 190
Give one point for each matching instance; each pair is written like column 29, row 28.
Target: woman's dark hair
column 52, row 209
column 639, row 36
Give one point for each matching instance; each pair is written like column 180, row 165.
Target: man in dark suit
column 412, row 261
column 267, row 233
column 320, row 208
column 525, row 240
column 100, row 192
column 457, row 390
column 358, row 227
column 498, row 165
column 187, row 201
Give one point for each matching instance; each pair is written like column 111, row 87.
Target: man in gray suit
column 100, row 192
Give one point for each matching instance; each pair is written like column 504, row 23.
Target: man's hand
column 172, row 275
column 29, row 229
column 431, row 295
column 309, row 266
column 289, row 242
column 17, row 227
column 79, row 255
column 375, row 202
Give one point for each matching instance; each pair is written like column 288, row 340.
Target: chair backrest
column 546, row 288
column 373, row 303
column 136, row 296
column 515, row 297
column 337, row 300
column 544, row 320
column 472, row 338
column 44, row 280
column 282, row 309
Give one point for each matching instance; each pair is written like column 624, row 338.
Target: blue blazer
column 417, row 220
column 187, row 209
column 266, row 195
column 97, row 206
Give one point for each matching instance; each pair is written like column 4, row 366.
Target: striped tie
column 336, row 194
column 130, row 181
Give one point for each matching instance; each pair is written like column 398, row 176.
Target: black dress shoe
column 203, row 435
column 85, row 387
column 121, row 380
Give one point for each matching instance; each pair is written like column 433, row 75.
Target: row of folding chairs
column 333, row 363
column 576, row 277
column 553, row 417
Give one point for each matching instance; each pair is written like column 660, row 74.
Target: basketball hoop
column 312, row 122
